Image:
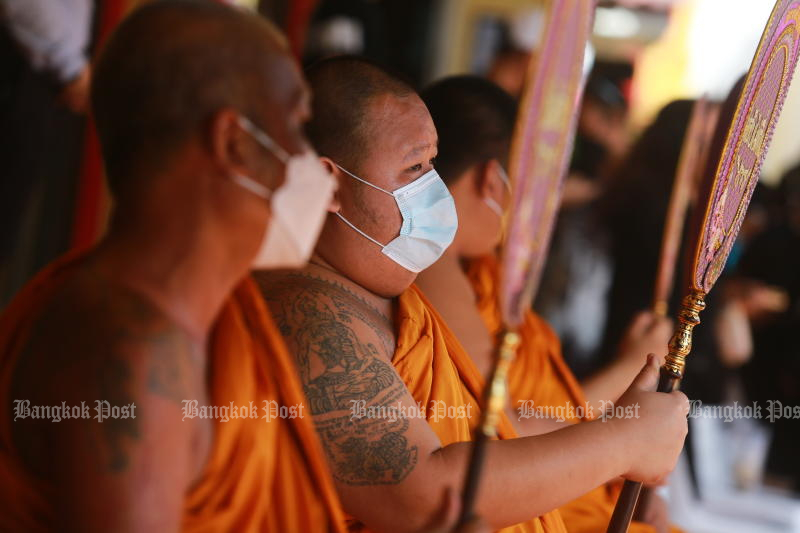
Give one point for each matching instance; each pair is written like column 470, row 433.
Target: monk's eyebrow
column 416, row 151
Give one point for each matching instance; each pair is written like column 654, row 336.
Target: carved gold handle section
column 498, row 388
column 681, row 343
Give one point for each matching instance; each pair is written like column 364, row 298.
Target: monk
column 109, row 357
column 391, row 390
column 475, row 122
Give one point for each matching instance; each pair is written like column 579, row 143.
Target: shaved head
column 167, row 69
column 343, row 88
column 377, row 128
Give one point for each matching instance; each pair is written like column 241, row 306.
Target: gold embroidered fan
column 726, row 195
column 540, row 153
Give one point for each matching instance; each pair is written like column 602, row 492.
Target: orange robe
column 260, row 476
column 540, row 374
column 438, row 371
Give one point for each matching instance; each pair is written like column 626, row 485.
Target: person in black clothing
column 773, row 374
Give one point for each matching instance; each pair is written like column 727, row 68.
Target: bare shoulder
column 99, row 345
column 304, row 297
column 343, row 348
column 331, row 331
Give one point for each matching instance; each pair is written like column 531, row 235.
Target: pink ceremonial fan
column 725, row 196
column 540, row 152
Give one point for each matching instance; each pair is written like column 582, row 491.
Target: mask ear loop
column 365, row 182
column 252, row 185
column 504, row 177
column 494, row 206
column 265, row 141
column 491, row 202
column 359, row 231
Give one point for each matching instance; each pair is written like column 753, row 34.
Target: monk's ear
column 227, row 143
column 493, row 180
column 484, row 180
column 336, row 204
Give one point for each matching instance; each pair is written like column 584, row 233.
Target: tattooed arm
column 391, row 473
column 128, row 473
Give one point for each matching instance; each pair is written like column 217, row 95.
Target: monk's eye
column 415, row 168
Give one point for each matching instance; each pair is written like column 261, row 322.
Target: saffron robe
column 540, row 375
column 438, row 372
column 260, row 476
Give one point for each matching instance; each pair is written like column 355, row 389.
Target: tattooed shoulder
column 343, row 348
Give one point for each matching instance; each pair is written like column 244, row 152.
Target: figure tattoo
column 342, row 347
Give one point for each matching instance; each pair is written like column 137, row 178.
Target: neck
column 319, row 266
column 182, row 265
column 449, row 264
column 447, row 272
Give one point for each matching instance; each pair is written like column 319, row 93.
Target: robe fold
column 540, row 375
column 261, row 475
column 438, row 372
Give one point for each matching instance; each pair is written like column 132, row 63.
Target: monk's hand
column 647, row 333
column 654, row 425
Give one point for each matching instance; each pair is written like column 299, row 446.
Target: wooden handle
column 473, row 477
column 630, row 495
column 494, row 401
column 626, row 504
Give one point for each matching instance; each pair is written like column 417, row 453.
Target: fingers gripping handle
column 671, row 374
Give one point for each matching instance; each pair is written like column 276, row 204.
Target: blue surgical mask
column 429, row 221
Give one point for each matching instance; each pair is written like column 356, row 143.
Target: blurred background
column 647, row 63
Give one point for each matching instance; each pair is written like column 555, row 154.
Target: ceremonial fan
column 692, row 162
column 724, row 199
column 540, row 152
column 694, row 155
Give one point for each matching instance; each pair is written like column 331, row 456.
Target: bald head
column 377, row 128
column 343, row 89
column 167, row 69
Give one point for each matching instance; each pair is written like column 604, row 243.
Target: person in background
column 44, row 91
column 508, row 70
column 578, row 272
column 772, row 263
column 634, row 210
column 475, row 121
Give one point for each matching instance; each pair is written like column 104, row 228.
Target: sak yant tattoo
column 343, row 346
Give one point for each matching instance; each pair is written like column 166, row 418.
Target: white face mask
column 298, row 206
column 429, row 221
